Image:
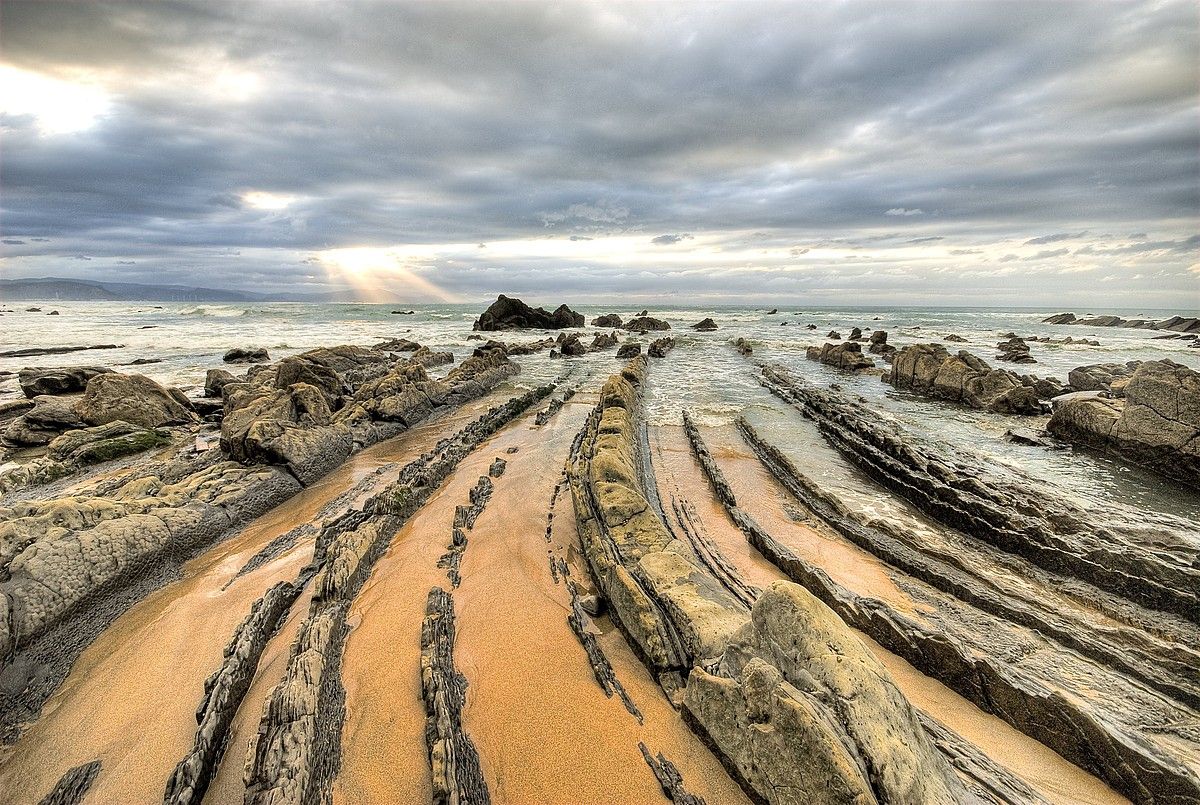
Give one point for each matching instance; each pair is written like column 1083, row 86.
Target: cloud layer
column 890, row 151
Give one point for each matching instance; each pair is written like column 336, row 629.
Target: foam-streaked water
column 705, row 374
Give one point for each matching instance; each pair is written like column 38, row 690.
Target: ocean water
column 704, row 374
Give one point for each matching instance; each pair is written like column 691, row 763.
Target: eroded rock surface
column 512, row 314
column 1156, row 425
column 963, row 378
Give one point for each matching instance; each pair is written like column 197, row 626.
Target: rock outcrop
column 513, row 314
column 1157, row 425
column 645, row 324
column 931, row 370
column 1101, row 376
column 705, row 325
column 844, row 356
column 246, row 355
column 607, row 320
column 63, row 380
column 1156, row 565
column 1180, row 324
column 1014, row 350
column 806, row 713
column 112, row 397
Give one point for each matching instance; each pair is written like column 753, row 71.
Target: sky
column 1041, row 154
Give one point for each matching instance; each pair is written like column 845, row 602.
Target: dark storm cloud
column 386, row 124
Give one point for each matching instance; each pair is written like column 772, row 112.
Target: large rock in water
column 1157, row 425
column 59, row 380
column 132, row 398
column 513, row 314
column 803, row 710
column 963, row 378
column 607, row 320
column 843, row 356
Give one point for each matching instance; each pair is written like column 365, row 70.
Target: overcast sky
column 861, row 152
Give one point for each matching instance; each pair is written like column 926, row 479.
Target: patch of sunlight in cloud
column 59, row 107
column 262, row 200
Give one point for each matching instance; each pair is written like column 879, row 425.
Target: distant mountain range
column 69, row 290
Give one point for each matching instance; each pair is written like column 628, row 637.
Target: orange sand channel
column 544, row 729
column 1056, row 779
column 131, row 697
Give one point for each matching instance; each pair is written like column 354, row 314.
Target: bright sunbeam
column 262, row 200
column 60, row 107
column 380, row 274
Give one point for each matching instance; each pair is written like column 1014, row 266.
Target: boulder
column 571, row 346
column 643, row 324
column 604, row 341
column 1060, row 318
column 513, row 314
column 246, row 355
column 856, row 334
column 743, row 347
column 215, row 381
column 60, row 380
column 705, row 325
column 956, row 339
column 290, row 427
column 1100, row 376
column 135, row 399
column 843, row 356
column 1157, row 425
column 607, row 320
column 43, row 422
column 879, row 337
column 1014, row 350
column 103, row 443
column 835, row 335
column 772, row 311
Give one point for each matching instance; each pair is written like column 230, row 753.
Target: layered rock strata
column 751, row 699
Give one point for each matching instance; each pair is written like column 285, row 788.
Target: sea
column 704, row 374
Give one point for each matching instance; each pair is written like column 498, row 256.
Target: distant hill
column 69, row 290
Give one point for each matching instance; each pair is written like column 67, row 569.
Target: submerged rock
column 512, row 314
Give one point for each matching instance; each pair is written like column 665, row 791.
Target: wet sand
column 544, row 729
column 113, row 705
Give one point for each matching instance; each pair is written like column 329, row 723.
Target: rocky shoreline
column 348, row 575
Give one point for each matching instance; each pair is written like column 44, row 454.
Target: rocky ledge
column 791, row 701
column 1156, row 425
column 1180, row 324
